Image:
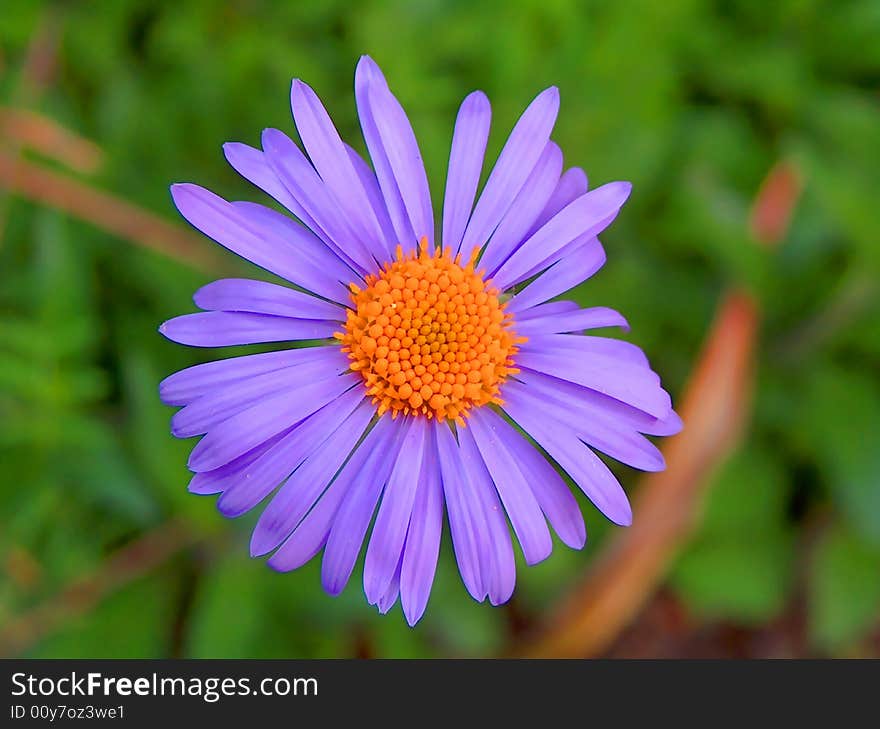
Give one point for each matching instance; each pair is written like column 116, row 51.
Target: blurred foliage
column 692, row 100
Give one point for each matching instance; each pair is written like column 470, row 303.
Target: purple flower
column 433, row 372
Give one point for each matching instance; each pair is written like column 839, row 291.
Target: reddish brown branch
column 37, row 71
column 623, row 578
column 105, row 211
column 775, row 203
column 28, row 129
column 128, row 564
column 715, row 405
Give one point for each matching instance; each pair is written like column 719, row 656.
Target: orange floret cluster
column 429, row 336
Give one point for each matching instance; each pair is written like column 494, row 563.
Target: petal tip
column 385, row 606
column 538, row 558
column 368, row 71
column 258, row 547
column 412, row 613
column 177, row 430
column 496, row 600
column 274, row 564
column 366, row 61
column 181, row 189
column 477, row 99
column 625, row 189
column 549, row 96
column 624, row 517
column 299, row 90
column 676, row 424
column 332, row 588
column 272, row 137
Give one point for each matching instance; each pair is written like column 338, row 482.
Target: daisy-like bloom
column 430, row 378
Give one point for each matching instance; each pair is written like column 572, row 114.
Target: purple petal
column 572, row 185
column 668, row 425
column 596, row 317
column 594, row 347
column 231, row 228
column 218, row 480
column 465, row 164
column 260, row 479
column 565, row 253
column 333, row 163
column 423, row 537
column 262, row 297
column 553, row 308
column 634, row 385
column 377, row 202
column 368, row 462
column 553, row 495
column 589, row 215
column 252, row 165
column 405, row 160
column 299, row 177
column 311, row 250
column 565, row 274
column 387, row 600
column 355, row 512
column 300, row 492
column 519, row 501
column 498, row 566
column 392, row 521
column 186, row 385
column 231, row 328
column 366, row 76
column 604, row 406
column 515, row 163
column 466, row 518
column 584, row 467
column 603, row 433
column 528, row 203
column 252, row 426
column 212, row 408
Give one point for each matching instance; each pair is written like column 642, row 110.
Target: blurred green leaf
column 744, row 579
column 748, row 496
column 739, row 565
column 844, row 589
column 108, row 630
column 838, row 422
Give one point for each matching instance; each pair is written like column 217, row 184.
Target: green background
column 693, row 101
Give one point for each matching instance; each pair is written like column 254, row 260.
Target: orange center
column 429, row 336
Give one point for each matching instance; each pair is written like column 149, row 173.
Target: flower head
column 430, row 379
column 430, row 336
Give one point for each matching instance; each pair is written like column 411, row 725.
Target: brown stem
column 132, row 561
column 20, row 128
column 105, row 211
